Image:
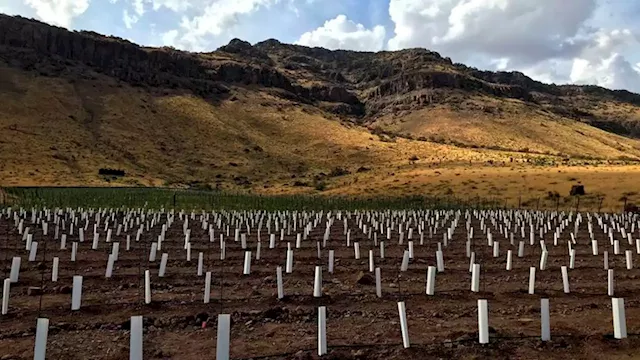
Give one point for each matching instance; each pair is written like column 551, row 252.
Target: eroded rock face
column 362, row 85
column 435, row 80
column 33, row 45
column 30, row 42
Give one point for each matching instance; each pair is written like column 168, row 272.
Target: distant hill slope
column 274, row 115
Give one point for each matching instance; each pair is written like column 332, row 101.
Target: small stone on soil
column 34, row 291
column 365, row 279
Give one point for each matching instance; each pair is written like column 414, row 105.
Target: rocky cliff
column 359, row 85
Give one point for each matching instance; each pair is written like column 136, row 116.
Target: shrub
column 339, row 171
column 112, row 172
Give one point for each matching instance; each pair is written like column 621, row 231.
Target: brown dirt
column 359, row 325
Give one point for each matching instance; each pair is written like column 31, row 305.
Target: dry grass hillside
column 66, row 130
column 275, row 118
column 60, row 132
column 515, row 127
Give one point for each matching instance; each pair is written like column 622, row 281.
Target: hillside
column 274, row 117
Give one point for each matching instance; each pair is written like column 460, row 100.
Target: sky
column 554, row 41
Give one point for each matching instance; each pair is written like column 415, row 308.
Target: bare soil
column 178, row 325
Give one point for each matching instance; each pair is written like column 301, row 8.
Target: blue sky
column 568, row 41
column 292, row 18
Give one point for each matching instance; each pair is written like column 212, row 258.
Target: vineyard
column 164, row 283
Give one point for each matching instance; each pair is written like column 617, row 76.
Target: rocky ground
column 178, row 325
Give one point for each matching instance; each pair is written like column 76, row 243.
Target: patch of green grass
column 165, row 198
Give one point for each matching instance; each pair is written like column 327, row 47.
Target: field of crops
column 156, row 198
column 165, row 283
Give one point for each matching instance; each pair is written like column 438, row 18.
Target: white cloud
column 501, row 63
column 342, row 33
column 525, row 30
column 58, row 12
column 550, row 40
column 129, row 20
column 601, row 63
column 173, row 5
column 138, row 7
column 221, row 15
column 169, row 38
column 613, row 72
column 550, row 71
column 215, row 19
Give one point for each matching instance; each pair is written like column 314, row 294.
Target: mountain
column 278, row 117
